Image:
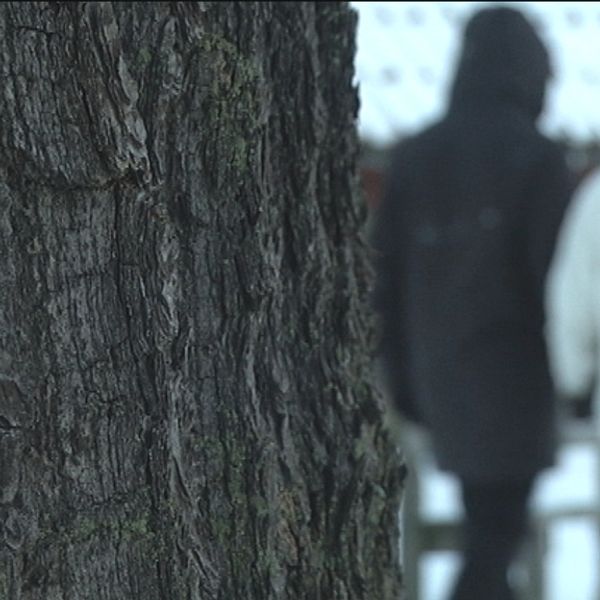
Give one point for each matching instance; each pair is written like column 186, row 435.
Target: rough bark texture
column 185, row 400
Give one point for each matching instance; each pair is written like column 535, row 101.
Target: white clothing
column 573, row 296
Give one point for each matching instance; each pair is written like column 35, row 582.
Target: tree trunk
column 186, row 408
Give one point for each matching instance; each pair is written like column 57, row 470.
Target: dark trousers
column 495, row 526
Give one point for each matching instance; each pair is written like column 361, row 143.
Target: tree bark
column 186, row 408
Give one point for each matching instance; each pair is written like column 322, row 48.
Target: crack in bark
column 32, row 29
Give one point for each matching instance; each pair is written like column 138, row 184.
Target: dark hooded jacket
column 463, row 239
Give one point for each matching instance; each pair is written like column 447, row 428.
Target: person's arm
column 387, row 242
column 551, row 189
column 571, row 327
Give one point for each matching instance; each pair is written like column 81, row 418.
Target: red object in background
column 372, row 182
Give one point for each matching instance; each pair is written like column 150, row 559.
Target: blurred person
column 573, row 303
column 463, row 238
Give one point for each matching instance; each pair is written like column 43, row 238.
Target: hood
column 503, row 62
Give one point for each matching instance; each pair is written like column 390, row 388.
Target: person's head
column 503, row 60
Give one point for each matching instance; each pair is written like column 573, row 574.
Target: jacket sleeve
column 572, row 313
column 387, row 242
column 385, row 239
column 551, row 188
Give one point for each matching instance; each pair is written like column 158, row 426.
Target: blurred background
column 405, row 59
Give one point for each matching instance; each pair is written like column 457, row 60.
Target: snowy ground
column 572, row 566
